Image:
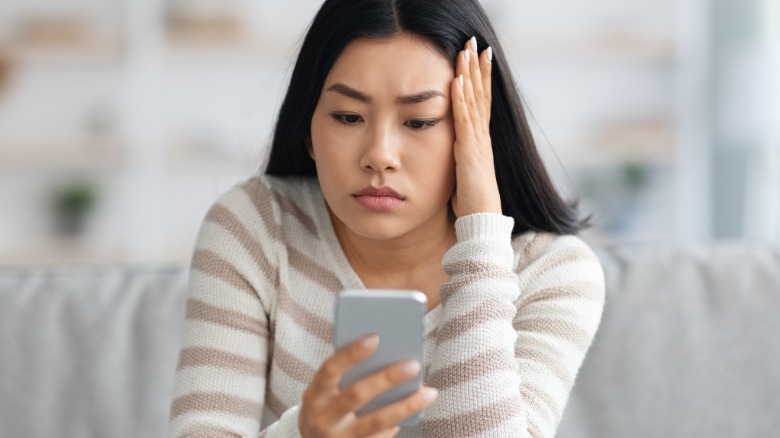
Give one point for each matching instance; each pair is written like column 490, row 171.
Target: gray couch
column 688, row 347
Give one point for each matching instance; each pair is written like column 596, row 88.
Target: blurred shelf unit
column 193, row 32
column 651, row 142
column 62, row 251
column 646, row 142
column 602, row 46
column 76, row 251
column 61, row 39
column 85, row 155
column 190, row 153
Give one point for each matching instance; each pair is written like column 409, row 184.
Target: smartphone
column 397, row 317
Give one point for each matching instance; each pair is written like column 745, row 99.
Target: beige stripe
column 556, row 327
column 216, row 402
column 449, row 289
column 546, row 356
column 292, row 366
column 261, row 197
column 482, row 364
column 543, row 405
column 562, row 257
column 288, row 206
column 534, row 430
column 274, row 403
column 205, row 431
column 312, row 323
column 227, row 220
column 564, row 291
column 486, row 311
column 476, row 268
column 537, row 248
column 313, row 271
column 475, row 422
column 202, row 356
column 208, row 262
column 198, row 310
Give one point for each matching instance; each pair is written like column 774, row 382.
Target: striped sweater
column 503, row 346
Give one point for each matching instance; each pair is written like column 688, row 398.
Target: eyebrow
column 402, row 100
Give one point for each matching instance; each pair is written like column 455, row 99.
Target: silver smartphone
column 397, row 317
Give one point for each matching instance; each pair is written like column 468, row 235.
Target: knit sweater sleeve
column 220, row 381
column 514, row 331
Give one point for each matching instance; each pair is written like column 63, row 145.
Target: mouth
column 378, row 198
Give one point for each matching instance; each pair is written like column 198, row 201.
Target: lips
column 378, row 198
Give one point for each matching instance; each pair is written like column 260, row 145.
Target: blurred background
column 121, row 121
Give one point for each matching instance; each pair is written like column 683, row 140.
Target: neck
column 399, row 262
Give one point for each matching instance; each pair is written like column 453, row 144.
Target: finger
column 486, row 59
column 476, row 77
column 468, row 87
column 464, row 129
column 394, row 413
column 389, row 433
column 365, row 389
column 329, row 374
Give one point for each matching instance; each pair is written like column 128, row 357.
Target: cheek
column 434, row 164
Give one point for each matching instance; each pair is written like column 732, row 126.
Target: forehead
column 398, row 65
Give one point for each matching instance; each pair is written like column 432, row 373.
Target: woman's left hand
column 476, row 189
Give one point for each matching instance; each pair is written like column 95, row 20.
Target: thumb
column 454, row 201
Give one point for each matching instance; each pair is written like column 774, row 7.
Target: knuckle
column 327, row 370
column 375, row 422
column 352, row 395
column 307, row 399
column 320, row 430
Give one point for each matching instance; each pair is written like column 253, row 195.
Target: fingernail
column 428, row 394
column 466, row 55
column 460, row 80
column 370, row 341
column 490, row 54
column 474, row 44
column 411, row 367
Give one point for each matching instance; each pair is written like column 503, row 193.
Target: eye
column 421, row 124
column 347, row 119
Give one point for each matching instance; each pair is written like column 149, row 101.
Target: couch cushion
column 688, row 345
column 89, row 353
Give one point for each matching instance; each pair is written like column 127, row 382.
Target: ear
column 309, row 146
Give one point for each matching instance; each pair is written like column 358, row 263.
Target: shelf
column 644, row 143
column 637, row 142
column 190, row 32
column 43, row 40
column 87, row 155
column 605, row 47
column 78, row 251
column 61, row 252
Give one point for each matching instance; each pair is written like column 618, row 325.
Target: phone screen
column 397, row 316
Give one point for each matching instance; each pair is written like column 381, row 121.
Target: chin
column 376, row 228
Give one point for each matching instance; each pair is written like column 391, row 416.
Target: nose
column 381, row 151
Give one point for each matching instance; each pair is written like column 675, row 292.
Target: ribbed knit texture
column 503, row 347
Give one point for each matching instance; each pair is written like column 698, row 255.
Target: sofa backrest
column 687, row 347
column 89, row 353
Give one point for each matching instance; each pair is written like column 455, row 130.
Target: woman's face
column 382, row 138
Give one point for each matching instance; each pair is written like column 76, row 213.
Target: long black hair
column 527, row 193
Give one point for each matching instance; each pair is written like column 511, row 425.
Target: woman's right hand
column 327, row 411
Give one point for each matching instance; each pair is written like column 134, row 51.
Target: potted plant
column 72, row 204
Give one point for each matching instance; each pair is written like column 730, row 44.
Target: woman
column 401, row 159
